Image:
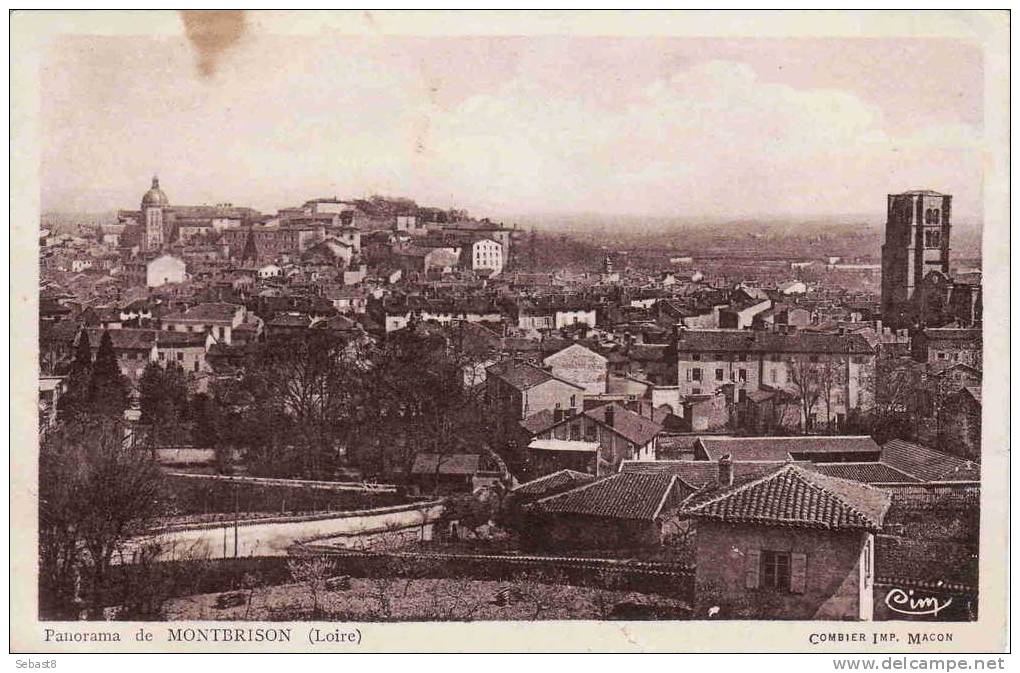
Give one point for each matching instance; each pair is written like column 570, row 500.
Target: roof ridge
column 579, row 488
column 743, row 487
column 802, row 474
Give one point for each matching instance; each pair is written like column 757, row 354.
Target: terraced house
column 833, row 371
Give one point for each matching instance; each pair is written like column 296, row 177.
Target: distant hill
column 58, row 222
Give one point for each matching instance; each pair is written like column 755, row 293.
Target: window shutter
column 798, row 572
column 752, row 568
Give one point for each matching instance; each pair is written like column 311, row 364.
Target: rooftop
column 793, row 496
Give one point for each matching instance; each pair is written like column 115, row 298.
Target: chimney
column 726, row 470
column 610, row 415
column 557, row 415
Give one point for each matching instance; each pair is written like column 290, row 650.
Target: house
column 134, row 349
column 948, row 345
column 622, row 510
column 187, row 349
column 515, row 390
column 792, row 543
column 165, row 270
column 815, row 449
column 618, row 433
column 706, row 413
column 581, row 366
column 487, row 255
column 831, row 371
column 740, row 315
column 550, row 484
column 219, row 319
column 702, row 473
column 270, row 271
column 552, row 456
column 455, row 472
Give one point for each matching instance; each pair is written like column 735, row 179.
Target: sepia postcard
column 509, row 331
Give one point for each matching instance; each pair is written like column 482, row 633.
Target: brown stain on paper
column 212, row 33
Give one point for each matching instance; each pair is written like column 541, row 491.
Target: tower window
column 932, row 239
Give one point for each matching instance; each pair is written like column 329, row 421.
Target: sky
column 506, row 126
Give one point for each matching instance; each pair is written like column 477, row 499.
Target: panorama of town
column 371, row 409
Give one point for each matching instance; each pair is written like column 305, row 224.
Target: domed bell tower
column 153, row 204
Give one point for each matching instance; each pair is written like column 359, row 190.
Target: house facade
column 792, row 544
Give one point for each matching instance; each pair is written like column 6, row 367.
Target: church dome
column 155, row 198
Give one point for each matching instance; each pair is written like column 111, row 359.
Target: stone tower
column 916, row 244
column 154, row 202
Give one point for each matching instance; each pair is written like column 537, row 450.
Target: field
column 391, row 599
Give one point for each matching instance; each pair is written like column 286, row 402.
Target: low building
column 792, row 544
column 621, row 511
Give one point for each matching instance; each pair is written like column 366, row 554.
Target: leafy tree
column 75, row 399
column 94, row 493
column 108, row 389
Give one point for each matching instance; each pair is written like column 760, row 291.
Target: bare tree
column 804, row 379
column 94, row 493
column 313, row 571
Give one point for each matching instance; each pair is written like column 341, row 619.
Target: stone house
column 218, row 319
column 581, row 366
column 618, row 433
column 516, row 390
column 792, row 544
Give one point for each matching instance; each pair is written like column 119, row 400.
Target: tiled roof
column 952, row 334
column 975, row 392
column 523, row 375
column 210, row 311
column 866, row 473
column 619, row 496
column 927, row 464
column 457, row 463
column 700, row 473
column 794, row 496
column 125, row 339
column 538, row 421
column 741, row 341
column 556, row 481
column 633, row 427
column 780, row 448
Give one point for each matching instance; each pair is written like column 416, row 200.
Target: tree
column 108, row 389
column 163, row 400
column 94, row 493
column 806, row 383
column 417, row 386
column 75, row 399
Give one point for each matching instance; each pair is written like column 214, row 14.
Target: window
column 575, row 432
column 696, row 374
column 696, row 357
column 742, row 357
column 162, row 356
column 773, row 376
column 573, row 401
column 180, row 357
column 775, row 570
column 719, row 375
column 196, row 365
column 695, row 391
column 813, row 358
column 742, row 374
